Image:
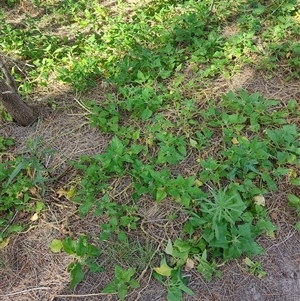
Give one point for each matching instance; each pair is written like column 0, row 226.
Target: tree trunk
column 22, row 113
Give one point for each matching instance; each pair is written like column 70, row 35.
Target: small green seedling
column 121, row 283
column 254, row 268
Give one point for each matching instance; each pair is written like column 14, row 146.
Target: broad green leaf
column 185, row 200
column 268, row 227
column 181, row 249
column 295, row 182
column 81, row 247
column 146, row 114
column 293, row 200
column 140, row 77
column 134, row 284
column 122, row 236
column 186, row 289
column 280, row 171
column 244, row 230
column 174, row 192
column 174, row 294
column 204, row 255
column 293, row 103
column 92, row 251
column 119, row 272
column 182, row 149
column 136, row 135
column 125, row 220
column 85, row 207
column 110, row 288
column 135, row 149
column 77, row 275
column 160, row 194
column 122, row 291
column 189, row 228
column 127, row 275
column 56, row 245
column 69, row 246
column 94, row 267
column 117, row 146
column 206, row 270
column 14, row 228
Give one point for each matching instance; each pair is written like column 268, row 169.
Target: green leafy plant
column 207, row 268
column 172, row 148
column 122, row 281
column 23, row 179
column 5, row 143
column 173, row 280
column 227, row 229
column 119, row 218
column 83, row 253
column 183, row 190
column 183, row 254
column 254, row 268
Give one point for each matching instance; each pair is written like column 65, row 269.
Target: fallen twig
column 26, row 291
column 85, row 295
